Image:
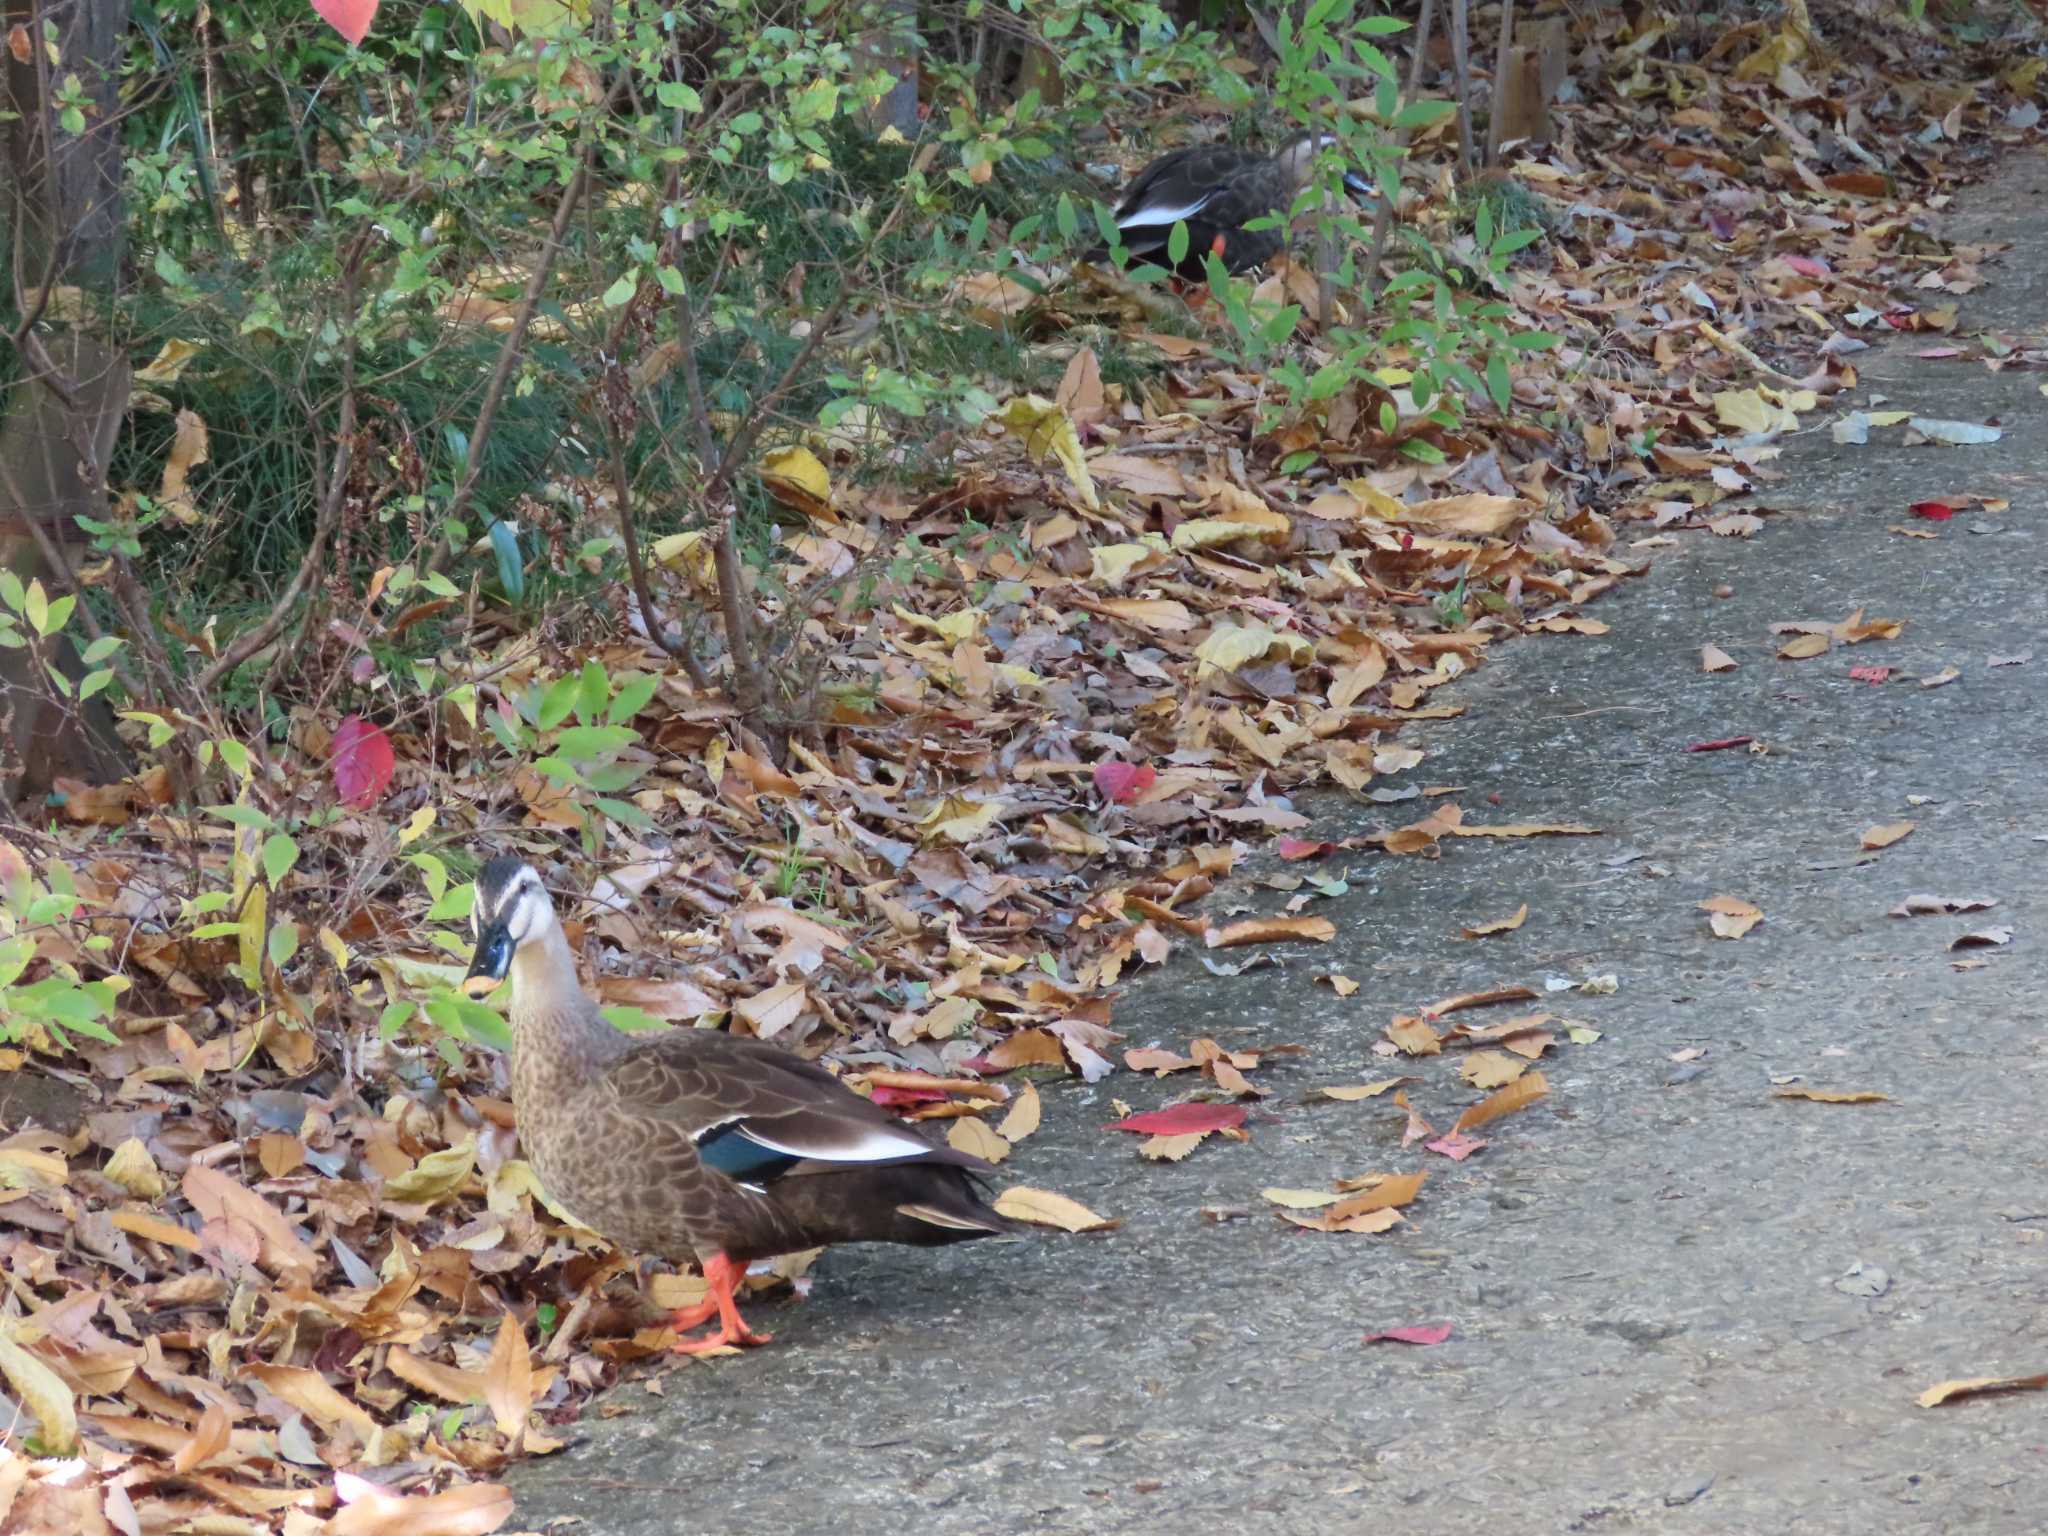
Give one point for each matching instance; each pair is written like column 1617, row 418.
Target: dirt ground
column 1679, row 1303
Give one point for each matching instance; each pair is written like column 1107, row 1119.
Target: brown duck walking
column 1217, row 189
column 697, row 1143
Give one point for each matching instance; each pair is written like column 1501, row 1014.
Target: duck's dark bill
column 487, row 967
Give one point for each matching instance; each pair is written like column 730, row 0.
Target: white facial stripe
column 528, row 910
column 1151, row 214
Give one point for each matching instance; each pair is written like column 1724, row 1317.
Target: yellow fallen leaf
column 1228, row 647
column 1887, row 834
column 1500, row 925
column 1023, row 1117
column 1384, row 1194
column 1832, row 1096
column 1714, row 659
column 1488, row 1070
column 1338, row 983
column 508, row 1378
column 132, row 1167
column 1349, row 1093
column 42, row 1393
column 1171, row 1149
column 795, row 478
column 416, row 826
column 1109, row 564
column 434, row 1177
column 188, row 451
column 1248, row 523
column 1301, row 1199
column 1801, row 647
column 971, row 1135
column 1520, row 1094
column 1980, row 1386
column 1041, row 1207
column 1048, row 430
column 1747, row 411
column 1414, row 1037
column 1730, row 916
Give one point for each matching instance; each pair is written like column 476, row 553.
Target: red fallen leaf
column 1806, row 266
column 1719, row 746
column 1421, row 1333
column 1456, row 1147
column 1302, row 848
column 1183, row 1120
column 351, row 18
column 363, row 761
column 1934, row 511
column 1870, row 675
column 1901, row 318
column 1122, row 783
column 889, row 1098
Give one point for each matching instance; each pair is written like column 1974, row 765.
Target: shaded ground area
column 1660, row 1320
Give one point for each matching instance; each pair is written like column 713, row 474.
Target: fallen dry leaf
column 1414, row 1037
column 1984, row 938
column 1714, row 659
column 1486, row 999
column 1506, row 924
column 1350, row 1093
column 1491, row 1069
column 1939, row 906
column 1424, row 1333
column 1730, row 916
column 1887, row 834
column 1831, row 1096
column 1980, row 1386
column 1520, row 1094
column 975, row 1137
column 1023, row 1117
column 1801, row 647
column 1171, row 1149
column 1945, row 676
column 1272, row 930
column 1043, row 1208
column 1338, row 983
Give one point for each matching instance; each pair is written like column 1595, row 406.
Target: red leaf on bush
column 363, row 761
column 351, row 18
column 1183, row 1120
column 1870, row 675
column 1122, row 783
column 1302, row 848
column 1422, row 1333
column 1934, row 511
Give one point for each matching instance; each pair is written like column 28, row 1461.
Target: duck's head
column 511, row 911
column 1299, row 158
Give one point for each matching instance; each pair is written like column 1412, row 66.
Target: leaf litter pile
column 290, row 1272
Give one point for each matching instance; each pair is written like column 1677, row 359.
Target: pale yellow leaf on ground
column 1980, row 1386
column 1396, row 1189
column 449, row 1383
column 434, row 1177
column 1714, row 659
column 795, row 478
column 1524, row 829
column 132, row 1167
column 1887, row 834
column 218, row 1198
column 1832, row 1096
column 508, row 1378
column 1338, row 983
column 973, row 1136
column 1171, row 1149
column 1500, row 925
column 1730, row 916
column 42, row 1392
column 1414, row 1037
column 1301, row 1199
column 208, row 1439
column 476, row 1509
column 1800, row 647
column 1322, row 1221
column 1023, row 1117
column 1272, row 930
column 1350, row 1093
column 308, row 1391
column 1041, row 1207
column 1520, row 1094
column 1048, row 432
column 1230, row 646
column 1491, row 1069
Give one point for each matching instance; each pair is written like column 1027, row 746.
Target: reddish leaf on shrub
column 1934, row 511
column 1122, row 783
column 1302, row 848
column 351, row 18
column 1183, row 1120
column 363, row 761
column 1421, row 1333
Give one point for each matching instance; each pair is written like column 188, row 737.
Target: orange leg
column 723, row 1276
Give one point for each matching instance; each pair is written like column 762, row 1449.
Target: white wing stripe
column 1146, row 214
column 874, row 1144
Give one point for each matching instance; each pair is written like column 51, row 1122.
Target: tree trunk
column 64, row 410
column 892, row 48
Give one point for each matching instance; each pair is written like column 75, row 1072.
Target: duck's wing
column 756, row 1113
column 1178, row 186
